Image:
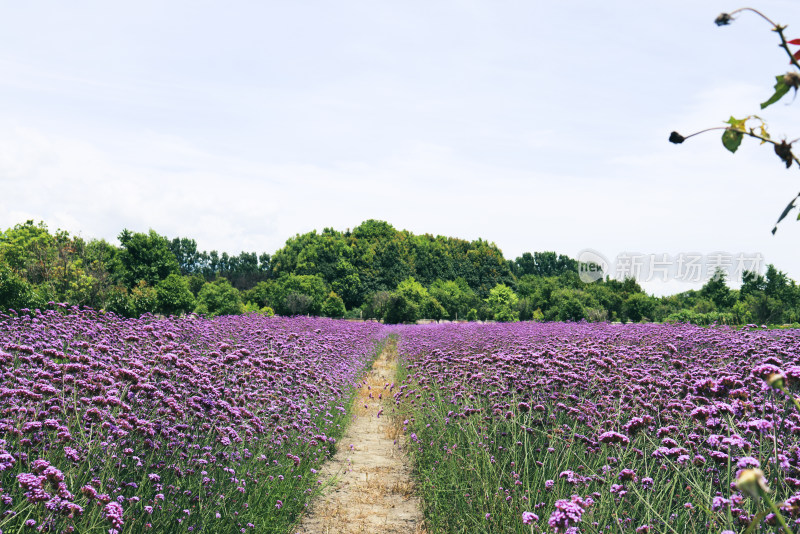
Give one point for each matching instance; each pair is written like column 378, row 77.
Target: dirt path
column 373, row 492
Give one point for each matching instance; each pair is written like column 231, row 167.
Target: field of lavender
column 170, row 425
column 219, row 425
column 577, row 427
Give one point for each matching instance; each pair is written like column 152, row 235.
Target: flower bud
column 776, row 380
column 752, row 482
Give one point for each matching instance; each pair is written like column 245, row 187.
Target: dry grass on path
column 373, row 491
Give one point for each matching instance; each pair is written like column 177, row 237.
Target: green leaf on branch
column 781, row 88
column 786, row 211
column 732, row 139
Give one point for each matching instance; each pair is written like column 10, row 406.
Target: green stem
column 785, row 45
column 777, row 28
column 777, row 513
column 776, row 472
column 794, row 400
column 749, row 134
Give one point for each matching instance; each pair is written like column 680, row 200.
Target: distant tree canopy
column 373, row 271
column 375, row 257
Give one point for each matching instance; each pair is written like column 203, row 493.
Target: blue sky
column 536, row 125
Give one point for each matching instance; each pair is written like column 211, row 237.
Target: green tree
column 488, row 268
column 347, row 283
column 400, row 309
column 195, row 282
column 15, row 292
column 262, row 294
column 717, row 291
column 752, row 282
column 219, row 298
column 608, row 300
column 455, row 296
column 502, row 302
column 377, row 304
column 432, row 309
column 763, row 308
column 408, row 302
column 567, row 304
column 142, row 299
column 186, row 253
column 118, row 301
column 173, row 295
column 298, row 303
column 333, row 306
column 145, row 257
column 638, row 307
column 544, row 264
column 252, row 307
column 29, row 250
column 294, row 294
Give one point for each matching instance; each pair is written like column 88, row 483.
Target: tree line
column 373, row 271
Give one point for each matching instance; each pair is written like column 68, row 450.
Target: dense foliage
column 373, row 271
column 549, row 427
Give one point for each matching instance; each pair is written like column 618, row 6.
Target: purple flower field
column 220, row 425
column 581, row 427
column 169, row 425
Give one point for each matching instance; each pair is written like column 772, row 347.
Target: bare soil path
column 373, row 491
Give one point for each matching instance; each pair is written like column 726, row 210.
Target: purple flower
column 759, row 425
column 568, row 513
column 113, row 512
column 748, row 462
column 613, row 437
column 529, row 517
column 718, row 503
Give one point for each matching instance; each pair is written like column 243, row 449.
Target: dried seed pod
column 676, row 138
column 723, row 19
column 784, row 151
column 792, row 79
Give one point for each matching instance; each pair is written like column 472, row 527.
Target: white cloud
column 489, row 121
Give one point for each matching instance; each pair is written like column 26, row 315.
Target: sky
column 534, row 125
